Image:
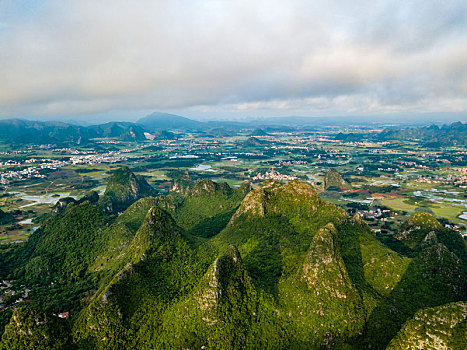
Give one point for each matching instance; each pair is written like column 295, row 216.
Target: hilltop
column 211, row 266
column 254, row 142
column 163, row 121
column 123, row 188
column 208, row 206
column 122, row 130
column 19, row 131
column 333, row 179
column 441, row 327
column 258, row 132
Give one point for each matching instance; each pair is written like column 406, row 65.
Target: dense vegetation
column 434, row 328
column 6, row 218
column 210, row 266
column 123, row 188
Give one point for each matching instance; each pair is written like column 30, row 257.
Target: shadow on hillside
column 396, row 245
column 264, row 265
column 349, row 246
column 212, row 226
column 422, row 285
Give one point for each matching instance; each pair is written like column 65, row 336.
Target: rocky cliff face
column 323, row 270
column 416, row 229
column 443, row 266
column 442, row 327
column 226, row 285
column 326, row 277
column 276, row 198
column 181, row 186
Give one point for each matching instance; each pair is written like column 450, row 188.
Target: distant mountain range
column 22, row 131
column 162, row 121
column 36, row 132
column 435, row 136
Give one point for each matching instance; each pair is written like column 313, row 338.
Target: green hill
column 22, row 131
column 208, row 206
column 122, row 130
column 31, row 328
column 165, row 121
column 219, row 132
column 124, row 188
column 160, row 268
column 334, row 180
column 258, row 132
column 254, row 142
column 164, row 135
column 284, row 269
column 422, row 230
column 431, row 136
column 441, row 327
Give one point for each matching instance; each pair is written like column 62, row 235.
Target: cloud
column 240, row 56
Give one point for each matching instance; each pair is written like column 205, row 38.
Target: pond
column 51, row 198
column 203, row 167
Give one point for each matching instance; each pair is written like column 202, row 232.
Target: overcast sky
column 232, row 58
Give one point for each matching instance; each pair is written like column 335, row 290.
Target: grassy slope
column 208, row 207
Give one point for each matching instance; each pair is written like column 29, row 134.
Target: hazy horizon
column 215, row 60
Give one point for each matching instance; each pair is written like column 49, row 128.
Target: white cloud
column 242, row 56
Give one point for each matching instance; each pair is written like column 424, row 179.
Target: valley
column 402, row 177
column 293, row 239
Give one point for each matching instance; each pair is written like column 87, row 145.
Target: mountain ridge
column 285, row 270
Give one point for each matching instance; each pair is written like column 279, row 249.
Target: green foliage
column 162, row 268
column 134, row 216
column 305, row 274
column 432, row 136
column 334, row 180
column 30, row 328
column 66, row 245
column 6, row 218
column 434, row 328
column 423, row 229
column 37, row 132
column 208, row 206
column 123, row 188
column 5, row 317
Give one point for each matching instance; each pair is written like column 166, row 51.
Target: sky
column 232, row 59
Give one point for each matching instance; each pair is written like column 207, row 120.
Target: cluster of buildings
column 460, row 180
column 387, row 169
column 274, row 175
column 10, row 163
column 292, row 162
column 31, row 171
column 78, row 158
column 415, row 165
column 91, row 159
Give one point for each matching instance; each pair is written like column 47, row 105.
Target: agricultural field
column 386, row 181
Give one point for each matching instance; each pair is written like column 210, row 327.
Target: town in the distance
column 82, row 208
